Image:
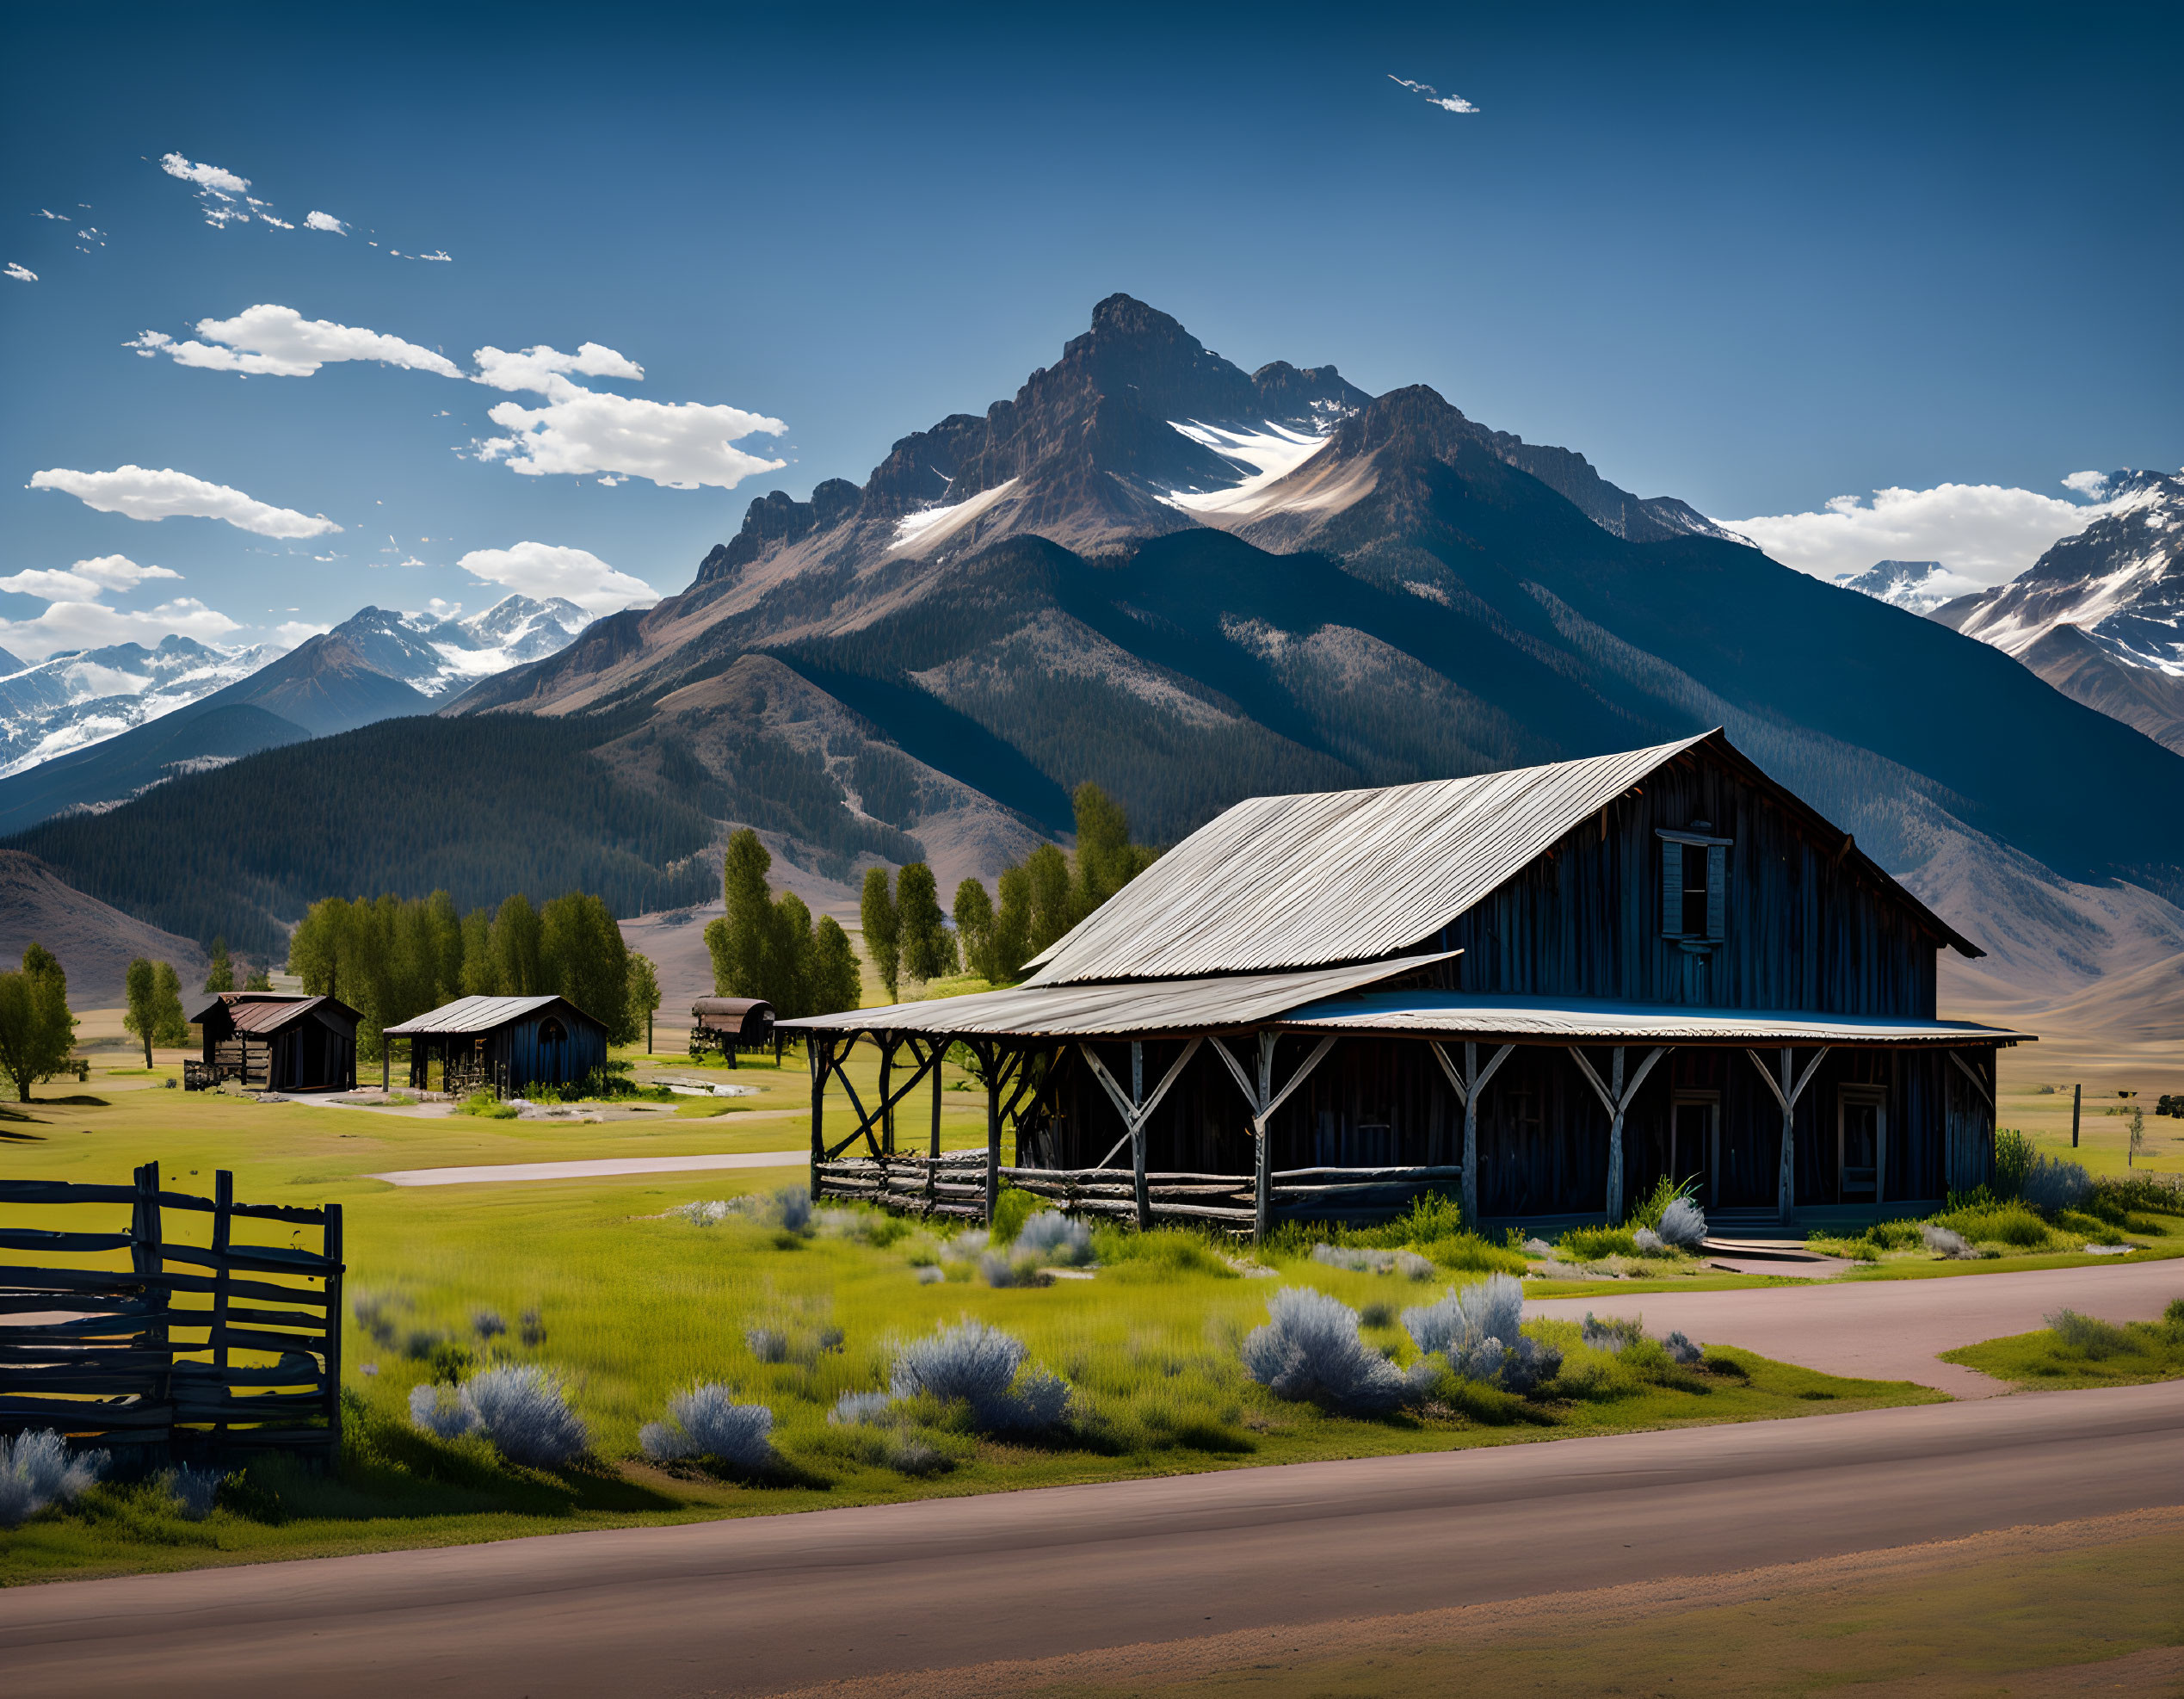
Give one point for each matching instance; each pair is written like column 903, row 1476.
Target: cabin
column 502, row 1044
column 729, row 1024
column 1542, row 991
column 275, row 1042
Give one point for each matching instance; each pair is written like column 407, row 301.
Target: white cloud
column 1985, row 533
column 538, row 368
column 86, row 580
column 1433, row 96
column 2093, row 485
column 277, row 224
column 292, row 632
column 279, row 342
column 93, row 625
column 541, row 569
column 439, row 254
column 440, row 608
column 22, row 274
column 139, row 492
column 47, row 212
column 680, row 445
column 325, row 221
column 210, row 177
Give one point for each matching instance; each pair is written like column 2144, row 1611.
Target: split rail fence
column 225, row 1345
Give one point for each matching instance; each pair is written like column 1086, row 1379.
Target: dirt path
column 498, row 1173
column 772, row 1602
column 1892, row 1329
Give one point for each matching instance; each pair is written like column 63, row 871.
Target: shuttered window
column 1694, row 887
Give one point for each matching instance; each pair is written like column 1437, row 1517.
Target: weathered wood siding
column 1802, row 930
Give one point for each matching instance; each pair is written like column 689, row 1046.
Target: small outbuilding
column 275, row 1042
column 504, row 1044
column 729, row 1024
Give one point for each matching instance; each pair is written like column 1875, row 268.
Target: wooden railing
column 102, row 1352
column 954, row 1184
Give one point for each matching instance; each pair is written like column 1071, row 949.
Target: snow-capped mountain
column 69, row 702
column 2101, row 616
column 1919, row 586
column 435, row 656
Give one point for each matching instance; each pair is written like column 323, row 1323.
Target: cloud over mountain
column 140, row 493
column 1987, row 533
column 544, row 571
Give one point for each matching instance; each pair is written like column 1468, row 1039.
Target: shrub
column 1056, row 1238
column 372, row 1311
column 1519, row 1366
column 1361, row 1259
column 1944, row 1241
column 1683, row 1224
column 707, row 1422
column 1611, row 1334
column 931, row 1274
column 860, row 1410
column 2013, row 1157
column 483, row 1103
column 1648, row 1243
column 439, row 1409
column 533, row 1328
column 1011, row 1211
column 795, row 1205
column 2012, row 1223
column 523, row 1410
column 2096, row 1337
column 1895, row 1235
column 1593, row 1245
column 709, row 1213
column 2052, row 1185
column 2114, row 1197
column 1656, row 1203
column 1492, row 1308
column 768, row 1344
column 1679, row 1347
column 487, row 1324
column 982, row 1368
column 1009, row 1268
column 194, row 1492
column 1310, row 1349
column 37, row 1471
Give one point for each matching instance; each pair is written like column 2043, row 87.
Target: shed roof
column 480, row 1014
column 1215, row 1004
column 1562, row 1020
column 235, row 999
column 270, row 1016
column 728, row 1006
column 1327, row 876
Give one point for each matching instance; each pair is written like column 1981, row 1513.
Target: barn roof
column 270, row 1011
column 1565, row 1020
column 1304, row 881
column 1218, row 1004
column 481, row 1014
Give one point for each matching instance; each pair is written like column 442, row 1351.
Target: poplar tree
column 974, row 929
column 644, row 992
column 928, row 947
column 169, row 1025
column 222, row 976
column 36, row 1031
column 882, row 930
column 141, row 989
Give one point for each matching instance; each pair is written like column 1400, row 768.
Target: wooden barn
column 275, row 1042
column 504, row 1044
column 1541, row 990
column 729, row 1024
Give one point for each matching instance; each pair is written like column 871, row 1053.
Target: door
column 1694, row 1143
column 1861, row 1143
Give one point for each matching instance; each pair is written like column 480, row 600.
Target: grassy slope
column 2137, row 1352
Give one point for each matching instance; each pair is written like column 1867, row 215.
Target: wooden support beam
column 1469, row 1084
column 1616, row 1098
column 819, row 1052
column 1264, row 1101
column 1787, row 1093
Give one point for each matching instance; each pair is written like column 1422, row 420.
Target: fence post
column 817, row 1051
column 2078, row 1094
column 147, row 1256
column 223, row 1227
column 334, row 1254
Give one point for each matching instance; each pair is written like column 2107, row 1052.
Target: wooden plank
column 1439, row 1172
column 252, row 1258
column 296, row 1215
column 41, row 1239
column 62, row 1191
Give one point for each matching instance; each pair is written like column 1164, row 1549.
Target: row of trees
column 768, row 946
column 37, row 1032
column 154, row 1009
column 391, row 959
column 221, row 975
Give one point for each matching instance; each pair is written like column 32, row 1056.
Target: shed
column 504, row 1044
column 729, row 1024
column 1544, row 990
column 275, row 1040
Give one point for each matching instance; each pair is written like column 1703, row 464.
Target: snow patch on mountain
column 930, row 527
column 71, row 700
column 1263, row 454
column 1917, row 586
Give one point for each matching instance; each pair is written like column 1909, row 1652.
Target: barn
column 275, row 1042
column 1540, row 990
column 504, row 1044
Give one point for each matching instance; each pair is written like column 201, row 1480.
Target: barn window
column 1694, row 885
column 550, row 1031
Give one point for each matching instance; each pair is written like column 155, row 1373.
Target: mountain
column 1191, row 584
column 94, row 941
column 71, row 700
column 1916, row 586
column 101, row 750
column 2101, row 616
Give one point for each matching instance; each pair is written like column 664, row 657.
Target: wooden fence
column 225, row 1345
column 955, row 1184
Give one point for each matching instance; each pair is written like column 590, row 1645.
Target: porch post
column 937, row 1060
column 1786, row 1184
column 1615, row 1140
column 992, row 1059
column 819, row 1052
column 887, row 1105
column 1262, row 1145
column 1471, row 1135
column 1139, row 1183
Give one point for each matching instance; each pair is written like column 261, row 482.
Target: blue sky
column 1761, row 260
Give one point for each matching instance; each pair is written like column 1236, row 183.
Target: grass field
column 2083, row 1352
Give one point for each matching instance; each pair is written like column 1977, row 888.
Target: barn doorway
column 1861, row 1142
column 1695, row 1142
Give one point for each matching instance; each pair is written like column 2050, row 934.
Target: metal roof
column 1562, row 1020
column 1081, row 1011
column 273, row 1013
column 728, row 1006
column 233, row 999
column 478, row 1014
column 1329, row 876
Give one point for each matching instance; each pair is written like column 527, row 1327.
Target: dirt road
column 757, row 1606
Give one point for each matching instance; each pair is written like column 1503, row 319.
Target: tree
column 261, row 980
column 36, row 1031
column 644, row 992
column 169, row 1025
column 838, row 977
column 1012, row 925
column 481, row 971
column 740, row 964
column 142, row 990
column 222, row 977
column 974, row 928
column 515, row 949
column 1052, row 912
column 582, row 957
column 928, row 946
column 882, row 930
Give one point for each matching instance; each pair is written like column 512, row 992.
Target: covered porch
column 1250, row 1100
